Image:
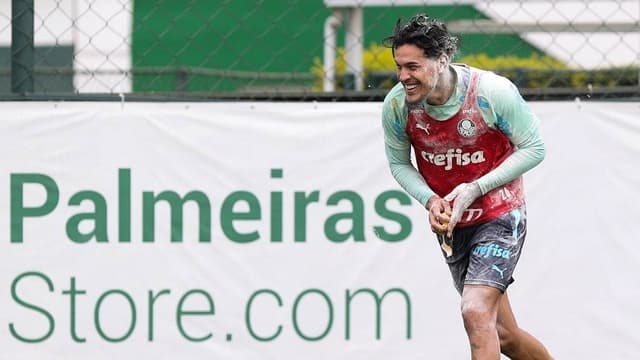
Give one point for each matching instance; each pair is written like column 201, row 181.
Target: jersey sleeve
column 503, row 105
column 398, row 148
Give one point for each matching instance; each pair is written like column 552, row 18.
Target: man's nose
column 403, row 74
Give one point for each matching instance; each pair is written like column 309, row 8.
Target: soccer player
column 473, row 137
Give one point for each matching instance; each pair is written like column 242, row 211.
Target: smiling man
column 473, row 137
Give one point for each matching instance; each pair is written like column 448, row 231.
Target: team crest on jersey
column 417, row 111
column 466, row 128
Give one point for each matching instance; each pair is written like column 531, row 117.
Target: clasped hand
column 442, row 217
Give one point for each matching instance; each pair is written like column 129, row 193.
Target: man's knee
column 477, row 315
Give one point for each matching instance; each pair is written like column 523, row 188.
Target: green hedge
column 532, row 72
column 538, row 78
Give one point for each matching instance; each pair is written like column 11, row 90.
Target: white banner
column 275, row 231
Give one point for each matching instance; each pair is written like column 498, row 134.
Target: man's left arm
column 517, row 121
column 503, row 106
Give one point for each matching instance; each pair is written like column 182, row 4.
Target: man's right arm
column 407, row 176
column 397, row 150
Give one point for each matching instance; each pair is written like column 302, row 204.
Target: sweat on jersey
column 485, row 132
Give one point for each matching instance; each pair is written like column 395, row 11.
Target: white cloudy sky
column 587, row 50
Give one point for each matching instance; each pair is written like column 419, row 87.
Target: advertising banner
column 276, row 231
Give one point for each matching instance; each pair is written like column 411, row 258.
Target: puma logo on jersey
column 424, row 128
column 454, row 157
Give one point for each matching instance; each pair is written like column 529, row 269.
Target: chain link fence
column 303, row 49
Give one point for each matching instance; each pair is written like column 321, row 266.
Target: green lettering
column 295, row 314
column 176, row 204
column 124, row 205
column 247, row 315
column 152, row 301
column 180, row 313
column 98, row 218
column 276, row 209
column 19, row 211
column 378, row 303
column 96, row 315
column 355, row 217
column 228, row 216
column 403, row 221
column 301, row 201
column 72, row 292
column 30, row 306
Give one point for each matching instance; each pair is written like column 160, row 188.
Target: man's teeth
column 411, row 87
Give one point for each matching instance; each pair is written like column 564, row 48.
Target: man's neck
column 444, row 88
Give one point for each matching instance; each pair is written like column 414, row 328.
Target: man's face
column 417, row 73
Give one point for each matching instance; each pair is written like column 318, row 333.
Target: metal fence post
column 22, row 47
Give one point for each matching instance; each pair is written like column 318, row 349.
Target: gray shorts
column 486, row 254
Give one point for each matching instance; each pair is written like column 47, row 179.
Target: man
column 473, row 137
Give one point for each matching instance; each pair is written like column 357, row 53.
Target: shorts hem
column 500, row 286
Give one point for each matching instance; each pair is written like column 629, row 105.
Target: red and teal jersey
column 485, row 132
column 461, row 149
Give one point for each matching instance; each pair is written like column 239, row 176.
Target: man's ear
column 443, row 60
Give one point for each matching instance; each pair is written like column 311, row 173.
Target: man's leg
column 480, row 305
column 516, row 343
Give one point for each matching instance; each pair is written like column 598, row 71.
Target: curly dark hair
column 430, row 35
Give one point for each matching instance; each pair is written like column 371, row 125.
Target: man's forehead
column 408, row 59
column 409, row 50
